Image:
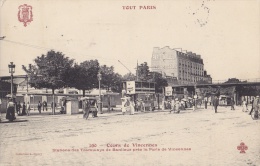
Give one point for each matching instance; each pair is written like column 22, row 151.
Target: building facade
column 187, row 68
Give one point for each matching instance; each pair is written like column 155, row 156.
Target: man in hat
column 255, row 105
column 216, row 103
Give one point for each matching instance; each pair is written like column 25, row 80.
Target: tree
column 110, row 79
column 143, row 72
column 85, row 75
column 129, row 77
column 159, row 80
column 49, row 71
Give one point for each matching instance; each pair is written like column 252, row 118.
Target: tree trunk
column 53, row 99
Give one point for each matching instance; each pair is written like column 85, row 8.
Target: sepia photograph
column 130, row 82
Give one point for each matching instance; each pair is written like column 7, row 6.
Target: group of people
column 128, row 103
column 89, row 106
column 42, row 106
column 175, row 105
column 13, row 107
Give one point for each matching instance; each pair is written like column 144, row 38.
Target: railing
column 240, row 81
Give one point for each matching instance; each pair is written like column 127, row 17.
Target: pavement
column 199, row 137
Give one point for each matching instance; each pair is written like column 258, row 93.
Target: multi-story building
column 187, row 68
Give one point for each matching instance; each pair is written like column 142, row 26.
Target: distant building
column 186, row 68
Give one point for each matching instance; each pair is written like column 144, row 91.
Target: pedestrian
column 39, row 106
column 124, row 105
column 172, row 106
column 10, row 113
column 44, row 105
column 177, row 105
column 132, row 107
column 94, row 108
column 252, row 108
column 18, row 108
column 23, row 109
column 206, row 103
column 216, row 103
column 256, row 106
column 244, row 109
column 232, row 104
column 193, row 104
column 28, row 108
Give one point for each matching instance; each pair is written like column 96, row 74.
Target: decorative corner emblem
column 25, row 14
column 242, row 147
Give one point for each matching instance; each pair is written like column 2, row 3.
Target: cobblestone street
column 188, row 138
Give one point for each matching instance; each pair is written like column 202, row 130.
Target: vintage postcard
column 129, row 82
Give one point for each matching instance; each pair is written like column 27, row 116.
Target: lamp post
column 11, row 70
column 99, row 101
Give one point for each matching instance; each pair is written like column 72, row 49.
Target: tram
column 141, row 91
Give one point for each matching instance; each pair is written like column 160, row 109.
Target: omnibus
column 141, row 90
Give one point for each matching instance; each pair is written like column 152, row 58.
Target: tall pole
column 11, row 70
column 12, row 83
column 27, row 83
column 100, row 103
column 99, row 107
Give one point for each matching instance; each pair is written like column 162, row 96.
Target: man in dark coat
column 216, row 103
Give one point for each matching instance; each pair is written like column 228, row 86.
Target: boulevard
column 199, row 137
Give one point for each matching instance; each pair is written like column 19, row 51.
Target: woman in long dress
column 10, row 113
column 132, row 107
column 177, row 105
column 244, row 106
column 172, row 106
column 23, row 109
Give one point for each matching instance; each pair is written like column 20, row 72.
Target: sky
column 225, row 33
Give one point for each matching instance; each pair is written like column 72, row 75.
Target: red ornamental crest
column 25, row 14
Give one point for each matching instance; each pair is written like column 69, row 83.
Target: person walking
column 194, row 104
column 28, row 108
column 39, row 106
column 206, row 103
column 256, row 106
column 44, row 105
column 132, row 107
column 10, row 113
column 177, row 105
column 172, row 106
column 18, row 108
column 23, row 109
column 244, row 109
column 232, row 104
column 252, row 108
column 215, row 104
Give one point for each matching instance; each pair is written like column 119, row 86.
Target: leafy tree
column 159, row 80
column 143, row 72
column 49, row 71
column 129, row 77
column 84, row 76
column 110, row 79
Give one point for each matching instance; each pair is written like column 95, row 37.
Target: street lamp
column 99, row 101
column 11, row 70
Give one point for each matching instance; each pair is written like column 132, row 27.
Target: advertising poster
column 89, row 47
